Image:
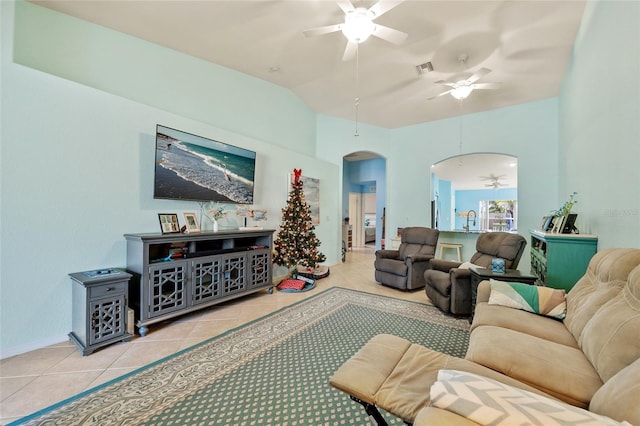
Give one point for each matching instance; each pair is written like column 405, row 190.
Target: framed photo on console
column 191, row 222
column 169, row 223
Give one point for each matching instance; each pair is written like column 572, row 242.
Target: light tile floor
column 35, row 380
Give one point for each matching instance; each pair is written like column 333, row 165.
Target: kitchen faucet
column 466, row 227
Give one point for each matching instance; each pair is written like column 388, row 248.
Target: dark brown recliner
column 404, row 268
column 449, row 287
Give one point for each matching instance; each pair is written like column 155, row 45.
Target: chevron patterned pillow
column 488, row 402
column 539, row 300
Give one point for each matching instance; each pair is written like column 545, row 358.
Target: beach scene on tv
column 190, row 167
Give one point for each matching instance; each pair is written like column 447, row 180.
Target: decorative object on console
column 169, row 223
column 254, row 214
column 296, row 242
column 215, row 213
column 191, row 222
column 563, row 220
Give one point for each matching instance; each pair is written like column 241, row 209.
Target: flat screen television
column 194, row 168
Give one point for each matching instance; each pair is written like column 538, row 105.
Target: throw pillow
column 489, row 402
column 539, row 300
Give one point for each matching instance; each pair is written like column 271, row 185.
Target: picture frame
column 169, row 223
column 191, row 222
column 311, row 191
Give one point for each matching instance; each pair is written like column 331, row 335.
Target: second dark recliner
column 404, row 268
column 449, row 287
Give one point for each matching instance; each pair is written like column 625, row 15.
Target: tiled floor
column 45, row 376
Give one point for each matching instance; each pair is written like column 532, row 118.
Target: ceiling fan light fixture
column 462, row 92
column 358, row 25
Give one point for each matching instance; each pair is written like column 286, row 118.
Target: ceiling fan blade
column 478, row 75
column 446, row 83
column 346, row 6
column 383, row 6
column 437, row 96
column 322, row 30
column 389, row 34
column 487, row 85
column 350, row 51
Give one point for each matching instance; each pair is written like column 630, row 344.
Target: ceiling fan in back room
column 462, row 85
column 494, row 181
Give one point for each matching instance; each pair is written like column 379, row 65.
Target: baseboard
column 32, row 346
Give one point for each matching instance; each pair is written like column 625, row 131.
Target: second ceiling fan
column 461, row 88
column 359, row 24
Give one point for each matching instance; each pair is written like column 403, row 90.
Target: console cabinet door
column 259, row 268
column 207, row 279
column 234, row 273
column 167, row 288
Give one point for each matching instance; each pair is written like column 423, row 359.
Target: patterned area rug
column 273, row 371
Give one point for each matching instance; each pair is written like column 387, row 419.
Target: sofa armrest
column 387, row 254
column 444, row 265
column 484, row 291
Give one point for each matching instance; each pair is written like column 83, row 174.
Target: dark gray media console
column 174, row 274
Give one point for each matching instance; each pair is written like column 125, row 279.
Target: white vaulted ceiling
column 526, row 44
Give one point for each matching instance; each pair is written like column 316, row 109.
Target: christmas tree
column 296, row 243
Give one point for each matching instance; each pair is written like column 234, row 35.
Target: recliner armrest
column 444, row 265
column 419, row 258
column 387, row 254
column 457, row 273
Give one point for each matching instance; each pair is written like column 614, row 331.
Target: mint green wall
column 527, row 131
column 600, row 126
column 153, row 75
column 77, row 173
column 64, row 206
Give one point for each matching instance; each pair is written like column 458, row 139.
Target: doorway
column 364, row 189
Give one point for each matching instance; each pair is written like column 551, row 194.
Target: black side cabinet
column 99, row 308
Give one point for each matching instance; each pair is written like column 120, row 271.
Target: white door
column 355, row 218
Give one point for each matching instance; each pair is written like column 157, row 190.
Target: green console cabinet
column 560, row 260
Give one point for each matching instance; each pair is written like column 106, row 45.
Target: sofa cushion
column 535, row 325
column 605, row 277
column 618, row 397
column 431, row 416
column 559, row 370
column 488, row 402
column 611, row 339
column 538, row 300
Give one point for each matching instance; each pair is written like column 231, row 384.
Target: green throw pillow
column 539, row 300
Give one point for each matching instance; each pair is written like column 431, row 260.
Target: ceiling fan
column 462, row 88
column 494, row 181
column 359, row 25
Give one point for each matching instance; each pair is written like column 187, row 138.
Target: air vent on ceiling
column 426, row 67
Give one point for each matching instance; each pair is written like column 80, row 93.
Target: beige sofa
column 590, row 360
